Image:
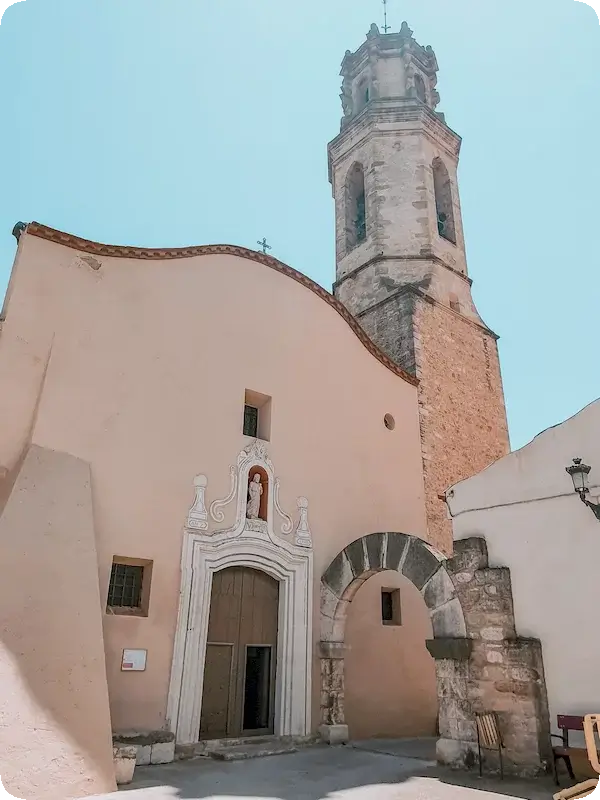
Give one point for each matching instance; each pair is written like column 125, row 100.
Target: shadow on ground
column 382, row 770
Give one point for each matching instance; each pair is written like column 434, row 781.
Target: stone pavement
column 386, row 770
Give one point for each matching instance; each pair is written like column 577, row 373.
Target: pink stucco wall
column 54, row 717
column 400, row 699
column 147, row 362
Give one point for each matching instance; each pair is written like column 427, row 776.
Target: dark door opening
column 257, row 688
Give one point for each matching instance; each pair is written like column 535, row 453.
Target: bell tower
column 401, row 266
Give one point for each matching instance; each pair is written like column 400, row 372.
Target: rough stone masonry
column 482, row 664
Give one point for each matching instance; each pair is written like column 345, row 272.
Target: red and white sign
column 134, row 660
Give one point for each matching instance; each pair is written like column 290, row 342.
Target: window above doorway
column 257, row 415
column 390, row 607
column 129, row 587
column 250, row 420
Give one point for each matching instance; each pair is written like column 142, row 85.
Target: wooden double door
column 241, row 652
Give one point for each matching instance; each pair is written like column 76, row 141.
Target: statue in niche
column 255, row 491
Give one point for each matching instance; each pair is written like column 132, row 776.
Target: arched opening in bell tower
column 443, row 201
column 356, row 210
column 420, row 88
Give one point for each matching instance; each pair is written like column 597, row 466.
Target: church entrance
column 241, row 651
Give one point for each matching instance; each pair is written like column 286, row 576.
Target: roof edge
column 164, row 254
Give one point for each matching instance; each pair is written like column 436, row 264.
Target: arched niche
column 443, row 201
column 420, row 90
column 356, row 207
column 264, row 482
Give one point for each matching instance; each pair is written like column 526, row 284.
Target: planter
column 124, row 758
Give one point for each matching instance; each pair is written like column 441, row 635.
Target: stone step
column 242, row 752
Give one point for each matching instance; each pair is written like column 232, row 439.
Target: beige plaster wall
column 534, row 524
column 399, row 699
column 54, row 715
column 150, row 361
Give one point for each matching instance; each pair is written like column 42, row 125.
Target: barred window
column 250, row 421
column 125, row 587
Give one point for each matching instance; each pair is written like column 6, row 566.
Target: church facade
column 208, row 458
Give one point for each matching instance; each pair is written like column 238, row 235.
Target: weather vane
column 386, row 27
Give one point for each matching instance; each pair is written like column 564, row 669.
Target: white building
column 525, row 507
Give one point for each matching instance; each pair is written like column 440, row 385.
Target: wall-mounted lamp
column 579, row 473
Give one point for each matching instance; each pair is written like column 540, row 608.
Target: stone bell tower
column 401, row 264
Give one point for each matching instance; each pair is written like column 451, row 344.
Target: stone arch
column 481, row 662
column 410, row 556
column 354, row 565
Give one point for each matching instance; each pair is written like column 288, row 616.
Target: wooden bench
column 489, row 736
column 567, row 723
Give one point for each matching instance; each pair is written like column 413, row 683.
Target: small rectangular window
column 129, row 587
column 250, row 421
column 390, row 607
column 257, row 415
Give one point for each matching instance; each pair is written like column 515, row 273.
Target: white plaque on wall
column 134, row 660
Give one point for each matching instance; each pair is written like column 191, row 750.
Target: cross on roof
column 386, row 27
column 264, row 245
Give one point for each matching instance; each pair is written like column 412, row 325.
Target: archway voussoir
column 420, row 563
column 375, row 544
column 396, row 548
column 330, row 602
column 355, row 553
column 338, row 575
column 448, row 621
column 438, row 590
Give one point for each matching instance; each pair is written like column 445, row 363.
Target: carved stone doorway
column 239, row 671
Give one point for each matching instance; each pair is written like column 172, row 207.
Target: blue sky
column 179, row 122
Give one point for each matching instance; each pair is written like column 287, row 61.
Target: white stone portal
column 246, row 544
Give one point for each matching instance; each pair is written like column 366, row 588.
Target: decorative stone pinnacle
column 18, row 230
column 406, row 31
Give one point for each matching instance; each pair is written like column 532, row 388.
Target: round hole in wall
column 389, row 422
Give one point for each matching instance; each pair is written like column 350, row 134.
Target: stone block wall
column 461, row 405
column 503, row 672
column 461, row 399
column 481, row 663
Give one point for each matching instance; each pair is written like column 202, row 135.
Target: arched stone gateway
column 481, row 663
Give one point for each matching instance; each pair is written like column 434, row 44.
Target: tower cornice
column 417, row 292
column 408, row 114
column 430, row 257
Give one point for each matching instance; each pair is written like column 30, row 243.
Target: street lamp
column 579, row 474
